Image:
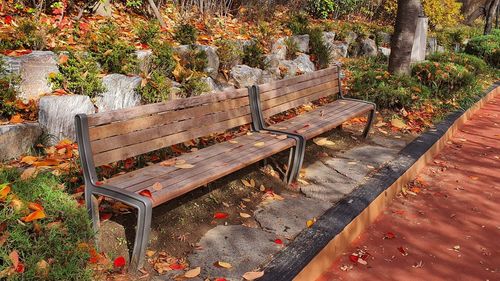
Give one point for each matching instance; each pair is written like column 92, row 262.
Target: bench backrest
column 121, row 134
column 282, row 95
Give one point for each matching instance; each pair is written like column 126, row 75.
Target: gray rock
column 384, row 38
column 120, row 92
column 245, row 248
column 288, row 68
column 212, row 68
column 367, row 47
column 339, row 50
column 279, row 49
column 144, row 60
column 329, row 37
column 302, row 42
column 272, row 60
column 34, row 69
column 288, row 217
column 373, row 155
column 17, row 139
column 245, row 75
column 304, row 64
column 432, row 45
column 57, row 114
column 104, row 9
column 351, row 37
column 212, row 85
column 269, row 75
column 384, row 51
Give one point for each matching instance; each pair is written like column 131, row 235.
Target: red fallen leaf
column 7, row 20
column 36, row 215
column 398, row 212
column 57, row 11
column 278, row 241
column 98, row 183
column 128, row 163
column 35, row 206
column 402, row 251
column 20, row 267
column 389, row 235
column 353, row 258
column 105, row 216
column 119, row 262
column 220, row 215
column 220, row 279
column 146, row 193
column 176, row 266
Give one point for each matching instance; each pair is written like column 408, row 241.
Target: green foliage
column 157, row 89
column 486, row 47
column 450, row 36
column 299, row 23
column 78, row 75
column 57, row 243
column 193, row 85
column 292, row 48
column 319, row 49
column 148, row 32
column 162, row 59
column 229, row 52
column 320, row 9
column 443, row 79
column 112, row 53
column 8, row 92
column 470, row 62
column 185, row 34
column 253, row 55
column 194, row 59
column 28, row 34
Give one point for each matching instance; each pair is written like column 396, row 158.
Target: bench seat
column 209, row 164
column 323, row 119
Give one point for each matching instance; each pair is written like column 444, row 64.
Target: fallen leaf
column 176, row 266
column 278, row 241
column 223, row 264
column 389, row 235
column 323, row 142
column 247, row 183
column 310, row 223
column 28, row 159
column 36, row 215
column 233, row 141
column 28, row 173
column 157, row 186
column 252, row 275
column 221, row 215
column 35, row 207
column 42, row 268
column 281, row 137
column 146, row 193
column 150, row 253
column 119, row 262
column 262, row 188
column 15, row 119
column 398, row 123
column 167, row 163
column 259, row 144
column 184, row 166
column 4, row 190
column 63, row 59
column 193, row 272
column 402, row 251
column 245, row 215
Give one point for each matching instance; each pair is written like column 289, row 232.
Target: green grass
column 56, row 245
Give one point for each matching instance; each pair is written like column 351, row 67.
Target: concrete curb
column 315, row 248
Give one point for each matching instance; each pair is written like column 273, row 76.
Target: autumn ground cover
column 42, row 222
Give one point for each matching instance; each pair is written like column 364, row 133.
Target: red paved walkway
column 450, row 230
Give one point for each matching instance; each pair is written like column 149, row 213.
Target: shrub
column 162, row 59
column 299, row 24
column 185, row 34
column 79, row 74
column 193, row 85
column 57, row 239
column 292, row 48
column 229, row 52
column 113, row 54
column 148, row 32
column 319, row 49
column 28, row 34
column 450, row 36
column 320, row 9
column 157, row 89
column 470, row 62
column 194, row 59
column 253, row 55
column 443, row 79
column 8, row 92
column 486, row 47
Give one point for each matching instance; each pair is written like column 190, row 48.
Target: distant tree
column 404, row 33
column 492, row 8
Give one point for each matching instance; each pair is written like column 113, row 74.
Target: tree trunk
column 490, row 12
column 404, row 33
column 472, row 9
column 157, row 13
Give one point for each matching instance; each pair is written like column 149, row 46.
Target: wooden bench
column 280, row 96
column 109, row 137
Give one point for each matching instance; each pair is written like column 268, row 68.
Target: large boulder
column 57, row 114
column 329, row 37
column 34, row 70
column 245, row 76
column 278, row 50
column 350, row 37
column 384, row 38
column 212, row 68
column 17, row 139
column 120, row 92
column 302, row 42
column 144, row 60
column 384, row 51
column 288, row 68
column 304, row 64
column 339, row 50
column 367, row 47
column 212, row 85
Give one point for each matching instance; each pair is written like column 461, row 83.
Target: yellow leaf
column 245, row 215
column 29, row 159
column 193, row 272
column 246, row 183
column 323, row 142
column 150, row 253
column 262, row 188
column 233, row 141
column 252, row 275
column 167, row 163
column 157, row 186
column 252, row 182
column 281, row 137
column 310, row 223
column 42, row 268
column 259, row 144
column 223, row 264
column 398, row 123
column 15, row 119
column 184, row 166
column 36, row 215
column 4, row 190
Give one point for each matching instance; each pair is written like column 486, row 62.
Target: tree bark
column 472, row 9
column 490, row 12
column 404, row 33
column 157, row 13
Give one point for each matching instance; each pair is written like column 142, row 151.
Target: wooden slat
column 151, row 145
column 163, row 118
column 140, row 175
column 332, row 87
column 135, row 137
column 134, row 112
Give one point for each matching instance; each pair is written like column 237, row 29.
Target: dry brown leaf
column 398, row 123
column 150, row 253
column 167, row 163
column 223, row 264
column 193, row 272
column 157, row 186
column 233, row 141
column 281, row 137
column 184, row 166
column 252, row 275
column 28, row 173
column 323, row 142
column 245, row 215
column 248, row 183
column 259, row 144
column 29, row 159
column 42, row 268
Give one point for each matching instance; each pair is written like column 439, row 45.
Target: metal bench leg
column 143, row 228
column 92, row 209
column 371, row 118
column 289, row 171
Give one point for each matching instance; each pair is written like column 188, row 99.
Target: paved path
column 448, row 226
